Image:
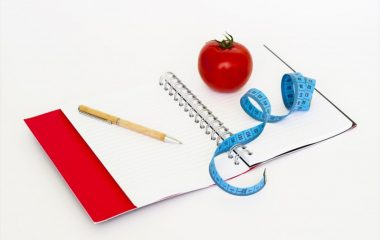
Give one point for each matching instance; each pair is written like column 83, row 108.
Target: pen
column 128, row 125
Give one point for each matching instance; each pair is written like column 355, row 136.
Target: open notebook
column 148, row 170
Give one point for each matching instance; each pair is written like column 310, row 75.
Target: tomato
column 226, row 65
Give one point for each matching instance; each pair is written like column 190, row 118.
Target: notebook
column 144, row 171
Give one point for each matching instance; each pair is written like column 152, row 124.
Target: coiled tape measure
column 297, row 92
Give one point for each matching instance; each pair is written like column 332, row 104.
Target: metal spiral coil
column 196, row 109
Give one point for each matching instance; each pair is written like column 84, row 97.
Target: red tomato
column 225, row 66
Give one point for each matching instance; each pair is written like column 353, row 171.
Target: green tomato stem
column 226, row 43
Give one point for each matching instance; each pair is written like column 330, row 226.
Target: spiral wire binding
column 201, row 114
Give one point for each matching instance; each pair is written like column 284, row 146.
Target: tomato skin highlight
column 224, row 70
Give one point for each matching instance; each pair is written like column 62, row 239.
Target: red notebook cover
column 89, row 180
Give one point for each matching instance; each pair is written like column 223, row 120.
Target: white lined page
column 148, row 170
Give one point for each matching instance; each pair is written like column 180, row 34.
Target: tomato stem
column 226, row 43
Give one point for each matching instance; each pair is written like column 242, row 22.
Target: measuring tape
column 297, row 92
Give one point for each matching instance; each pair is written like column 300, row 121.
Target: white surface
column 52, row 52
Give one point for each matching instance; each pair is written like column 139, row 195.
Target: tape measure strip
column 297, row 92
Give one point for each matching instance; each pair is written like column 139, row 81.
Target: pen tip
column 169, row 139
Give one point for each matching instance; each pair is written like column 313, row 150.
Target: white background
column 54, row 51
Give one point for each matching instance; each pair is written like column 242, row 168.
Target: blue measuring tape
column 297, row 92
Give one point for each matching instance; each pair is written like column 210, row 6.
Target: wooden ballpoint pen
column 128, row 125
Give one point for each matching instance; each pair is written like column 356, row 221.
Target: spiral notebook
column 148, row 171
